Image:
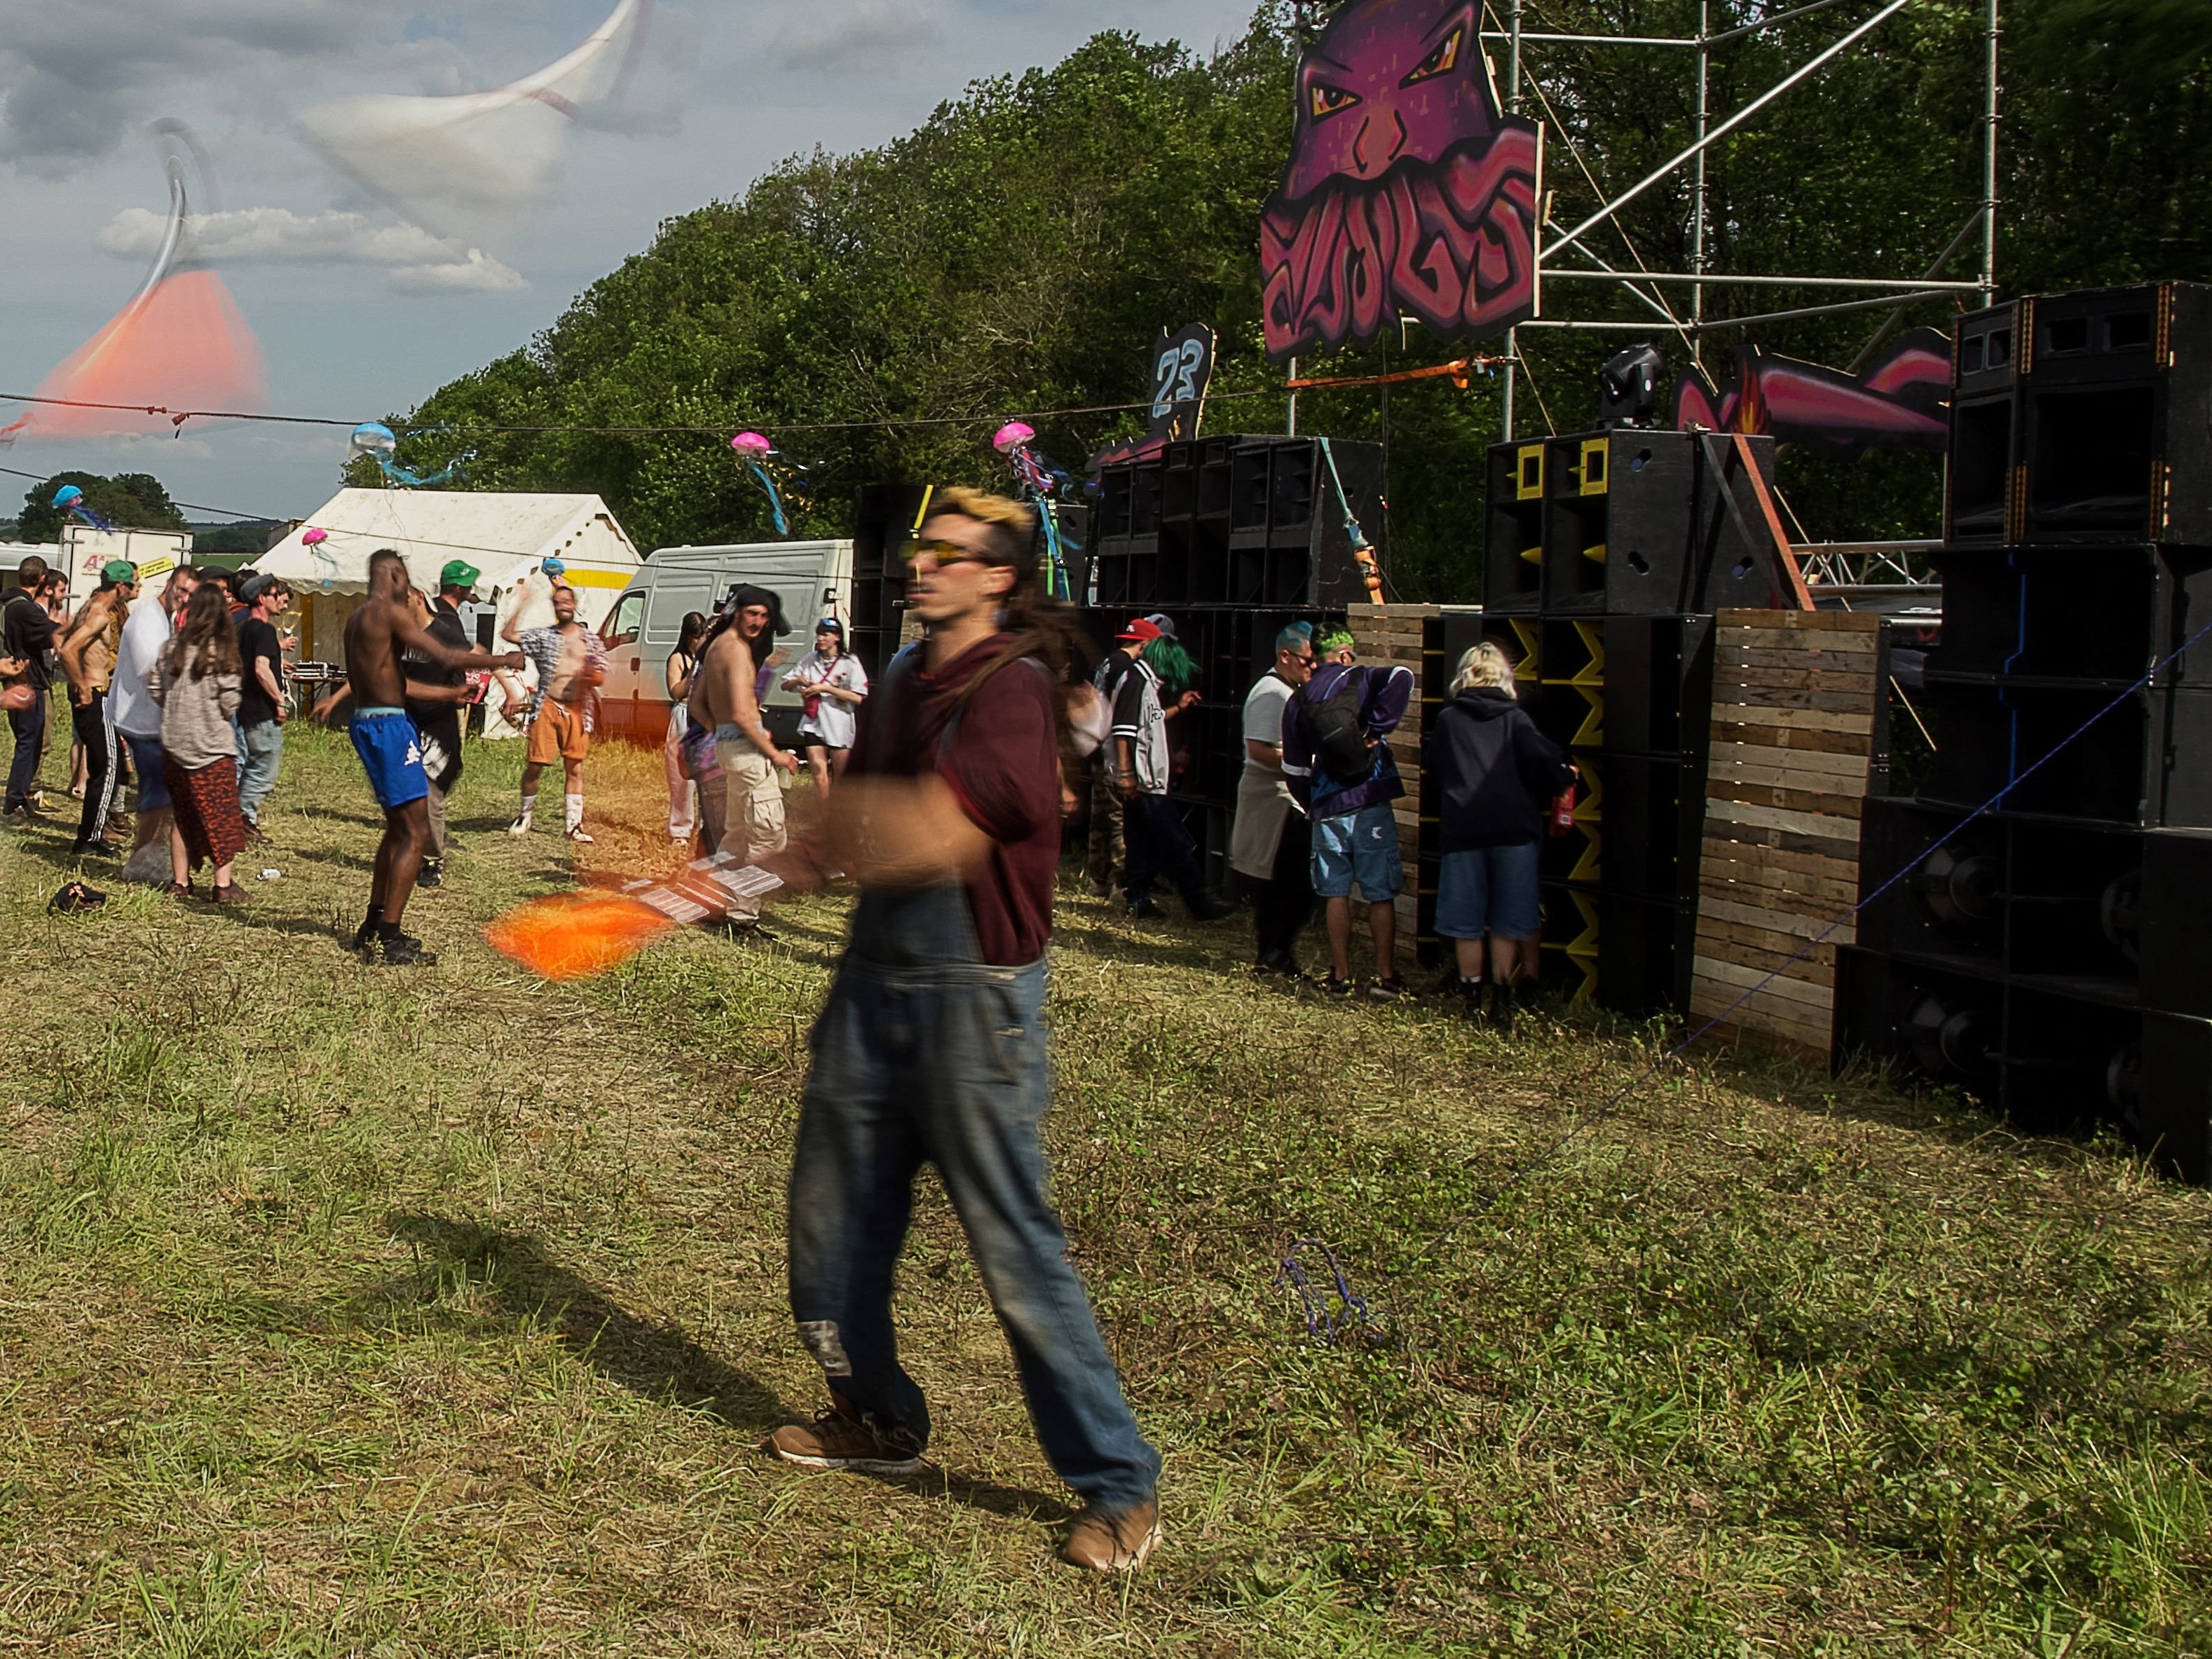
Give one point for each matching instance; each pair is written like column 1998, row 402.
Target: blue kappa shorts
column 391, row 754
column 1492, row 889
column 1361, row 846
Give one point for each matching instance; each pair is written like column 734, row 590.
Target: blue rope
column 1322, row 1317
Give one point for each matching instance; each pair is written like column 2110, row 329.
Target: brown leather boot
column 1112, row 1543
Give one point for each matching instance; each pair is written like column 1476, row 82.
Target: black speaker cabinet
column 1659, row 685
column 1245, row 521
column 2084, row 417
column 1733, row 564
column 1513, row 530
column 1619, row 511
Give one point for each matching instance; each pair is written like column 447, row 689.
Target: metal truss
column 1882, row 562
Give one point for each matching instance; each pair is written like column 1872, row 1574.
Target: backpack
column 1340, row 746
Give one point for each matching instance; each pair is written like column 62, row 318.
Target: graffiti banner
column 1407, row 193
column 1897, row 404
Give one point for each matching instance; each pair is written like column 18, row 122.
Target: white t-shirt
column 1263, row 716
column 130, row 704
column 834, row 721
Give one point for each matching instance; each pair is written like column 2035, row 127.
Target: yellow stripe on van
column 575, row 578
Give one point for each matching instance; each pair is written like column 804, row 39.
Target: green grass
column 440, row 1312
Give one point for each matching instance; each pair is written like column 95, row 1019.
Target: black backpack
column 1341, row 745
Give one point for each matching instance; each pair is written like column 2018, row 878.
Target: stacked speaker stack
column 1606, row 554
column 2054, row 955
column 1234, row 538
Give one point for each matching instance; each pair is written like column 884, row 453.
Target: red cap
column 1142, row 631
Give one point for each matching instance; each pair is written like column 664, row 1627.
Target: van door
column 619, row 693
column 676, row 594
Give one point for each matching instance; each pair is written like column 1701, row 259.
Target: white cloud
column 478, row 274
column 870, row 36
column 417, row 262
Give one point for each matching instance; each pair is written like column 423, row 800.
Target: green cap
column 119, row 570
column 457, row 573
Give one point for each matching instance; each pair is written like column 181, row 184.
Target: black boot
column 1503, row 996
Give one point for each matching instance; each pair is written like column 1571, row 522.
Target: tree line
column 1020, row 249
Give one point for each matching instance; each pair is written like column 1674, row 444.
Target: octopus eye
column 1442, row 61
column 1328, row 99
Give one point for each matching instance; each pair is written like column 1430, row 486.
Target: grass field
column 440, row 1312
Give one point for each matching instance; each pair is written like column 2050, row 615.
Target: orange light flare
column 575, row 935
column 184, row 346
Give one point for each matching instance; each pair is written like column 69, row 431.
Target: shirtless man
column 572, row 662
column 376, row 637
column 87, row 655
column 723, row 696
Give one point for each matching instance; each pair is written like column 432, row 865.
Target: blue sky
column 349, row 321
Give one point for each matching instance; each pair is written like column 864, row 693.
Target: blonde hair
column 1013, row 523
column 1484, row 667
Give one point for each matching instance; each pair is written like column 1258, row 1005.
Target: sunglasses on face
column 938, row 554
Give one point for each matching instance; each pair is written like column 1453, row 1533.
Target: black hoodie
column 1495, row 772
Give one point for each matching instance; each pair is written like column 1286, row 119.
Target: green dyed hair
column 1332, row 639
column 1171, row 663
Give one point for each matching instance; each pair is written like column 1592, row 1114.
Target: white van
column 813, row 580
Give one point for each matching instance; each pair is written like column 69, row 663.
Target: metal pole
column 1698, row 189
column 1989, row 167
column 1513, row 107
column 1292, row 429
column 1817, row 61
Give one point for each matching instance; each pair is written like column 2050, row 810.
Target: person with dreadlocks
column 1156, row 687
column 725, row 698
column 932, row 1045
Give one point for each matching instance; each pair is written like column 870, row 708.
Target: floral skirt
column 206, row 803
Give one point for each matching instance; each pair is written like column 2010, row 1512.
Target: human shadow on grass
column 650, row 1359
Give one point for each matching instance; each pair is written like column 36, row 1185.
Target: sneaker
column 432, row 874
column 1333, row 987
column 22, row 811
column 1388, row 989
column 519, row 827
column 838, row 1439
column 1209, row 906
column 577, row 833
column 1112, row 1543
column 1145, row 908
column 1502, row 998
column 407, row 952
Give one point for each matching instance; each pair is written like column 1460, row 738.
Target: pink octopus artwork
column 1407, row 192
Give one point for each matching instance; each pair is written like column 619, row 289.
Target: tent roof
column 492, row 530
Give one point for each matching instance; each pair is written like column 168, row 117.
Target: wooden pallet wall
column 1795, row 701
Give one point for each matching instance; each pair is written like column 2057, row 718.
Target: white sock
column 575, row 805
column 529, row 805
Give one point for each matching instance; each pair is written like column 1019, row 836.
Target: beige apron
column 1263, row 804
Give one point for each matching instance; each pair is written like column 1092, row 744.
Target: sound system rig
column 1235, row 538
column 1605, row 555
column 2054, row 956
column 883, row 522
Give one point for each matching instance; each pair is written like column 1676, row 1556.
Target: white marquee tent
column 506, row 536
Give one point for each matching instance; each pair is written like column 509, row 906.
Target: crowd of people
column 945, row 790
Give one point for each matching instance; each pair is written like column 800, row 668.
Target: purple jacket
column 1384, row 701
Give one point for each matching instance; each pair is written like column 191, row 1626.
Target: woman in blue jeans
column 1495, row 774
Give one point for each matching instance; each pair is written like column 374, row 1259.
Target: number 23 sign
column 1181, row 365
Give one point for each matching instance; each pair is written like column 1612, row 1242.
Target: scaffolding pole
column 1989, row 165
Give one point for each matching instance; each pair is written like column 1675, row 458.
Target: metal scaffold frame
column 1892, row 295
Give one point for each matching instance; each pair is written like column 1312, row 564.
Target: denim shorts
column 146, row 762
column 1361, row 846
column 1489, row 890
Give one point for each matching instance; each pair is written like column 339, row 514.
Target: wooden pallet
column 1796, row 694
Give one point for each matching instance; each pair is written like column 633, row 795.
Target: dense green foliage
column 1016, row 253
column 129, row 501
